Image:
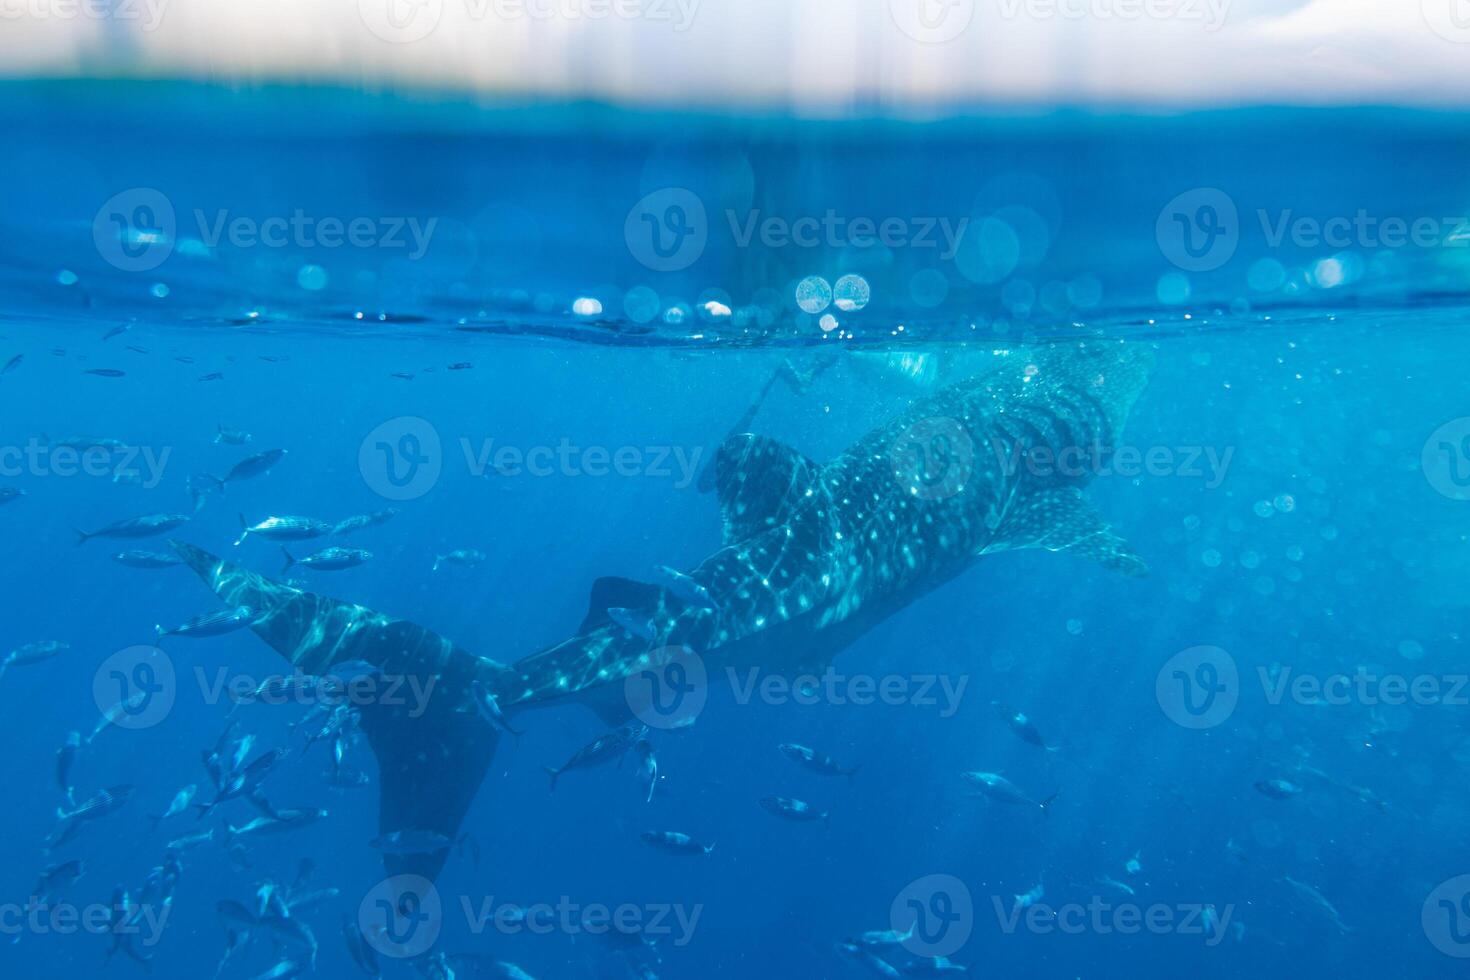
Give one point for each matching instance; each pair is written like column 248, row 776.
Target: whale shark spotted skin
column 813, row 556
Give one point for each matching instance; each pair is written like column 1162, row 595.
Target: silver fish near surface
column 148, row 526
column 223, row 435
column 329, row 560
column 996, row 787
column 1278, row 789
column 465, row 558
column 253, row 466
column 375, row 519
column 797, row 811
column 146, row 559
column 211, row 624
column 675, row 843
column 815, row 761
column 283, row 529
column 1021, row 726
column 66, row 757
column 489, row 708
column 32, row 654
column 647, row 767
column 601, row 750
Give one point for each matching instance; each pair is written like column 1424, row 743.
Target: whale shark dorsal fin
column 612, row 592
column 760, row 481
column 1063, row 520
column 432, row 754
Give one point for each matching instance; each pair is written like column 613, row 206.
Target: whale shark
column 812, row 556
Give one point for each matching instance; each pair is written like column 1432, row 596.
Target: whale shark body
column 813, row 556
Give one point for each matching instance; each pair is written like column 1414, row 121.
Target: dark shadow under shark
column 813, row 556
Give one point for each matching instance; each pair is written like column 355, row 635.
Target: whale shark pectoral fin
column 1063, row 520
column 612, row 592
column 1112, row 552
column 432, row 754
column 760, row 482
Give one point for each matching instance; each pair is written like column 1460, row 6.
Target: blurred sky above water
column 809, row 57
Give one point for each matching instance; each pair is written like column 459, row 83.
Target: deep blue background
column 1331, row 406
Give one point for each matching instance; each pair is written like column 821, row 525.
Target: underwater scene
column 515, row 537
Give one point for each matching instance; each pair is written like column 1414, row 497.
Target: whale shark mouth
column 432, row 754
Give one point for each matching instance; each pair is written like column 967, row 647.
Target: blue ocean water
column 544, row 381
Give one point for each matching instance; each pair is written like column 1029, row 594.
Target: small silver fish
column 212, row 624
column 179, row 804
column 146, row 559
column 684, row 588
column 1002, row 790
column 675, row 842
column 32, row 654
column 231, row 437
column 330, row 560
column 468, row 558
column 135, row 527
column 489, row 708
column 283, row 529
column 638, row 624
column 795, row 810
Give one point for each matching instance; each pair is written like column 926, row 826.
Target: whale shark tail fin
column 433, row 748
